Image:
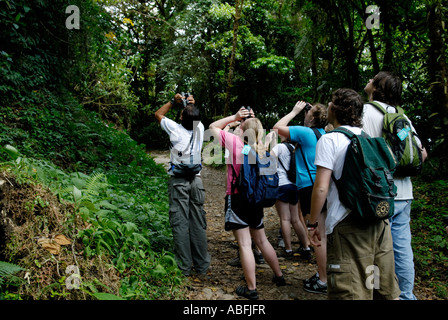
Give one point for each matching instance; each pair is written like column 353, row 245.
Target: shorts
column 288, row 193
column 239, row 214
column 360, row 261
column 305, row 199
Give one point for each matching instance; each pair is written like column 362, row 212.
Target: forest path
column 222, row 278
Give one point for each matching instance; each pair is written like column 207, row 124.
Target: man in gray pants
column 185, row 188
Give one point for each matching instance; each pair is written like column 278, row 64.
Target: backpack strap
column 233, row 183
column 377, row 105
column 316, row 132
column 289, row 146
column 348, row 133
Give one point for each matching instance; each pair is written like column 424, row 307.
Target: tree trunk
column 236, row 24
column 437, row 64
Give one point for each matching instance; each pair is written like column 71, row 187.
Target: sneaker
column 243, row 291
column 315, row 287
column 281, row 242
column 258, row 257
column 314, row 277
column 304, row 254
column 235, row 262
column 288, row 254
column 279, row 281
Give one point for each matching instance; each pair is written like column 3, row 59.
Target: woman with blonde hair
column 246, row 222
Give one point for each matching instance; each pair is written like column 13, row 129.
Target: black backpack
column 291, row 172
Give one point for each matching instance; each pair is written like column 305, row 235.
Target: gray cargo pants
column 188, row 223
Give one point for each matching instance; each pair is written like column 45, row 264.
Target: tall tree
column 236, row 25
column 437, row 63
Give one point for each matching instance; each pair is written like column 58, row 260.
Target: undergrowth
column 429, row 237
column 66, row 172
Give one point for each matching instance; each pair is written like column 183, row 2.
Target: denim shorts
column 288, row 193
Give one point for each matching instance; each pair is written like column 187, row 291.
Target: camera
column 248, row 109
column 308, row 107
column 185, row 96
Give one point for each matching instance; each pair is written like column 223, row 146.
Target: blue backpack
column 258, row 179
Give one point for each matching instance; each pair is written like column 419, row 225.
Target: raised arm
column 282, row 125
column 220, row 124
column 159, row 114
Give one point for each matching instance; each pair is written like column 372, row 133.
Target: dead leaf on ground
column 62, row 240
column 52, row 247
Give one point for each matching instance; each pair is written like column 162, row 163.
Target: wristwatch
column 173, row 102
column 312, row 226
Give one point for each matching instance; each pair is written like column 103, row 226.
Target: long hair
column 347, row 107
column 320, row 115
column 253, row 134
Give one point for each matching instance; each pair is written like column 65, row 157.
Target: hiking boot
column 243, row 291
column 279, row 281
column 314, row 286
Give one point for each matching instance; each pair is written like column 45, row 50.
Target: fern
column 94, row 183
column 7, row 270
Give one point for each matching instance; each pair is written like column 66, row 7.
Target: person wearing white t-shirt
column 288, row 200
column 354, row 248
column 385, row 88
column 186, row 194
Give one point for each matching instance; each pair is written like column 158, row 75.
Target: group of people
column 347, row 251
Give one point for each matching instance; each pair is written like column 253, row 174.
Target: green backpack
column 366, row 185
column 398, row 134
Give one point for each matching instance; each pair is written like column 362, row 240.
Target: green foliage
column 123, row 200
column 7, row 271
column 430, row 241
column 129, row 58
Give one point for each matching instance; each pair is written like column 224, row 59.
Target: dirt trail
column 223, row 278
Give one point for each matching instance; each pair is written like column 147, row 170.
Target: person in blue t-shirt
column 306, row 137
